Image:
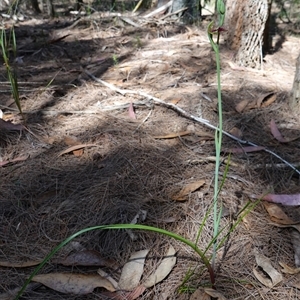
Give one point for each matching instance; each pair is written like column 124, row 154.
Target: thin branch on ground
column 186, row 115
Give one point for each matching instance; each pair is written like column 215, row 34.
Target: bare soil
column 49, row 196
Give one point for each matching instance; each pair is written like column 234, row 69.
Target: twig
column 187, row 115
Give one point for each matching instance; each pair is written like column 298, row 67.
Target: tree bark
column 192, row 14
column 245, row 21
column 295, row 97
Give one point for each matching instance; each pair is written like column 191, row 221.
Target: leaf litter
column 132, row 171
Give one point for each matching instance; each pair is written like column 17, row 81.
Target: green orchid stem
column 121, row 226
column 218, row 133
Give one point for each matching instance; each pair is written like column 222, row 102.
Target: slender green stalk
column 11, row 73
column 218, row 133
column 121, row 226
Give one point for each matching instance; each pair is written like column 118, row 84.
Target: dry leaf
column 277, row 135
column 6, row 125
column 200, row 294
column 277, row 214
column 87, row 258
column 70, row 283
column 173, row 135
column 24, row 264
column 189, row 188
column 215, row 294
column 78, row 152
column 289, row 200
column 274, row 276
column 266, row 99
column 236, row 132
column 174, row 101
column 73, row 148
column 131, row 111
column 240, row 107
column 71, row 141
column 295, row 226
column 289, row 270
column 133, row 271
column 17, row 159
column 163, row 269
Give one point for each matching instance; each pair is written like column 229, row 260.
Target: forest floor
column 133, row 154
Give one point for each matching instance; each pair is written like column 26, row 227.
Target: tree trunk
column 192, row 14
column 245, row 21
column 295, row 97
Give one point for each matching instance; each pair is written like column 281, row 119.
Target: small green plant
column 7, row 45
column 115, row 59
column 138, row 42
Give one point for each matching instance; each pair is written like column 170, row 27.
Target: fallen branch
column 186, row 115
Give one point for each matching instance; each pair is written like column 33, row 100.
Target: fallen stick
column 187, row 115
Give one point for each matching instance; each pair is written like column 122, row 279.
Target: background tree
column 246, row 22
column 295, row 97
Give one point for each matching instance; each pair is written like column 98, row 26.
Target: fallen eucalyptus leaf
column 215, row 294
column 289, row 270
column 277, row 214
column 274, row 276
column 163, row 269
column 189, row 188
column 133, row 271
column 70, row 283
column 87, row 258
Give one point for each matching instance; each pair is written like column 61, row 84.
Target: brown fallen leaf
column 240, row 107
column 163, row 270
column 133, row 271
column 173, row 135
column 266, row 99
column 87, row 258
column 174, row 101
column 24, row 264
column 215, row 294
column 17, row 159
column 200, row 294
column 277, row 134
column 77, row 147
column 289, row 270
column 236, row 132
column 78, row 152
column 274, row 277
column 70, row 283
column 295, row 226
column 277, row 214
column 71, row 141
column 6, row 125
column 189, row 188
